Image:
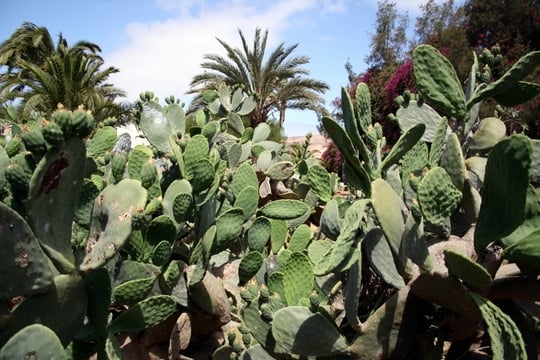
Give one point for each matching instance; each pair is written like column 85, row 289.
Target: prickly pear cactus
column 111, row 221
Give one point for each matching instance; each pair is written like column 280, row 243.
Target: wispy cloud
column 163, row 56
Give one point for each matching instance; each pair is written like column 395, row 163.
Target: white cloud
column 163, row 56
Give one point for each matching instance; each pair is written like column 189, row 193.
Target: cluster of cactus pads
column 215, row 242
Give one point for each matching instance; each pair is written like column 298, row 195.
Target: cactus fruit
column 14, row 146
column 149, row 174
column 18, row 179
column 53, row 134
column 118, row 166
column 34, row 141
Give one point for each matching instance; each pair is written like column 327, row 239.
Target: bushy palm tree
column 278, row 81
column 39, row 75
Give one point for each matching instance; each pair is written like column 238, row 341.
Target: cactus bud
column 148, row 174
column 53, row 134
column 14, row 146
column 231, row 337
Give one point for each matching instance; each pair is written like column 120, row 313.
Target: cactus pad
column 284, row 209
column 24, row 268
column 319, row 181
column 147, row 313
column 300, row 238
column 472, row 273
column 298, row 278
column 33, row 342
column 250, row 264
column 437, row 195
column 259, row 234
column 111, row 221
column 248, row 201
column 504, row 192
column 133, row 291
column 296, row 327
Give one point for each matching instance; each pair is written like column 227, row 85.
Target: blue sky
column 158, row 45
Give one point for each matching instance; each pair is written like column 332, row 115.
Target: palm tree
column 41, row 75
column 277, row 81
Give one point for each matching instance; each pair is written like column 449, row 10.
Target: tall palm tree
column 278, row 81
column 39, row 74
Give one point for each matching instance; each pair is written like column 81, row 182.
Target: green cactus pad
column 319, row 181
column 414, row 244
column 505, row 188
column 249, row 266
column 203, row 175
column 281, row 170
column 25, row 268
column 157, row 123
column 275, row 283
column 259, row 234
column 172, row 273
column 525, row 252
column 229, row 227
column 4, row 161
column 161, row 253
column 175, row 188
column 363, row 106
column 351, row 124
column 389, row 208
column 344, row 144
column 197, row 148
column 248, row 201
column 261, row 132
column 49, row 309
column 471, row 273
column 99, row 289
column 103, row 141
column 452, row 161
column 415, row 159
column 419, row 113
column 161, row 228
column 437, row 81
column 33, row 342
column 147, row 313
column 330, row 221
column 530, row 223
column 505, row 336
column 490, row 131
column 56, row 183
column 244, row 176
column 319, row 252
column 139, row 156
column 278, row 234
column 353, row 288
column 439, row 142
column 111, row 221
column 300, row 238
column 133, row 291
column 437, row 196
column 380, row 257
column 182, row 207
column 148, row 174
column 405, row 142
column 284, row 209
column 298, row 278
column 296, row 327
